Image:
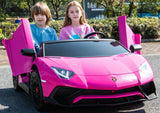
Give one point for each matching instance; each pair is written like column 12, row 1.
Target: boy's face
column 74, row 13
column 40, row 20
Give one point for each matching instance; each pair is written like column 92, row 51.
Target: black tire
column 36, row 91
column 15, row 83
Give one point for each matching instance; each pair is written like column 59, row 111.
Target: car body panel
column 93, row 73
column 106, row 96
column 127, row 37
column 101, row 65
column 22, row 38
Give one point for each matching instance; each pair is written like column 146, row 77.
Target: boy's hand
column 10, row 36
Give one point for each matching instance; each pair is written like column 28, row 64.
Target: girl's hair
column 41, row 8
column 67, row 20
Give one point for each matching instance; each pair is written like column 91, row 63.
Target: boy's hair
column 41, row 8
column 67, row 20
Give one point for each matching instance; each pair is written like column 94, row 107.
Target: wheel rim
column 35, row 90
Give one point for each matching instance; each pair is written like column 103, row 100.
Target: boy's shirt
column 40, row 35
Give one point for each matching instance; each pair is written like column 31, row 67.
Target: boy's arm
column 10, row 36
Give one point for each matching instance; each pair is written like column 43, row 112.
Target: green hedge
column 6, row 28
column 148, row 28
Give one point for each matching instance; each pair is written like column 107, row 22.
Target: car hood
column 118, row 64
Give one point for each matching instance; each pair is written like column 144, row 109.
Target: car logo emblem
column 114, row 79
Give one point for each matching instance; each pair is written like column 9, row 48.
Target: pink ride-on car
column 79, row 72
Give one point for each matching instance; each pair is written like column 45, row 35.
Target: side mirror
column 28, row 52
column 135, row 47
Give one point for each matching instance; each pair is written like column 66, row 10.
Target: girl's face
column 40, row 20
column 74, row 13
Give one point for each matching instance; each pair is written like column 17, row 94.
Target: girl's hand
column 10, row 36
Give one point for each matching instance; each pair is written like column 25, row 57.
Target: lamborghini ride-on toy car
column 79, row 72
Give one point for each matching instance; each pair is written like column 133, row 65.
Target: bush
column 148, row 28
column 1, row 36
column 151, row 33
column 6, row 28
column 57, row 25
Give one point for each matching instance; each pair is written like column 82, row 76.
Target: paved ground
column 148, row 48
column 3, row 57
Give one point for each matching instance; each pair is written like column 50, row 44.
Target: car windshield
column 83, row 48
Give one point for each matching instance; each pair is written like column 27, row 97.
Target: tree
column 132, row 6
column 142, row 6
column 3, row 4
column 56, row 5
column 110, row 6
column 151, row 6
column 30, row 3
column 3, row 10
column 59, row 5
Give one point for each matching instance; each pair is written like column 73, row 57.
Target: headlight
column 145, row 69
column 62, row 73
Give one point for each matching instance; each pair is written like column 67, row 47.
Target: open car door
column 22, row 38
column 127, row 37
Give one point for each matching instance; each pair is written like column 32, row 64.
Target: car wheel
column 36, row 90
column 15, row 83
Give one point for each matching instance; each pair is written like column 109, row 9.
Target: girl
column 75, row 25
column 40, row 30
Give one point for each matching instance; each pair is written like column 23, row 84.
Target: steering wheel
column 93, row 33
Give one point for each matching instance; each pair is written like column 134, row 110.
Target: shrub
column 1, row 36
column 57, row 25
column 148, row 28
column 6, row 28
column 151, row 33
